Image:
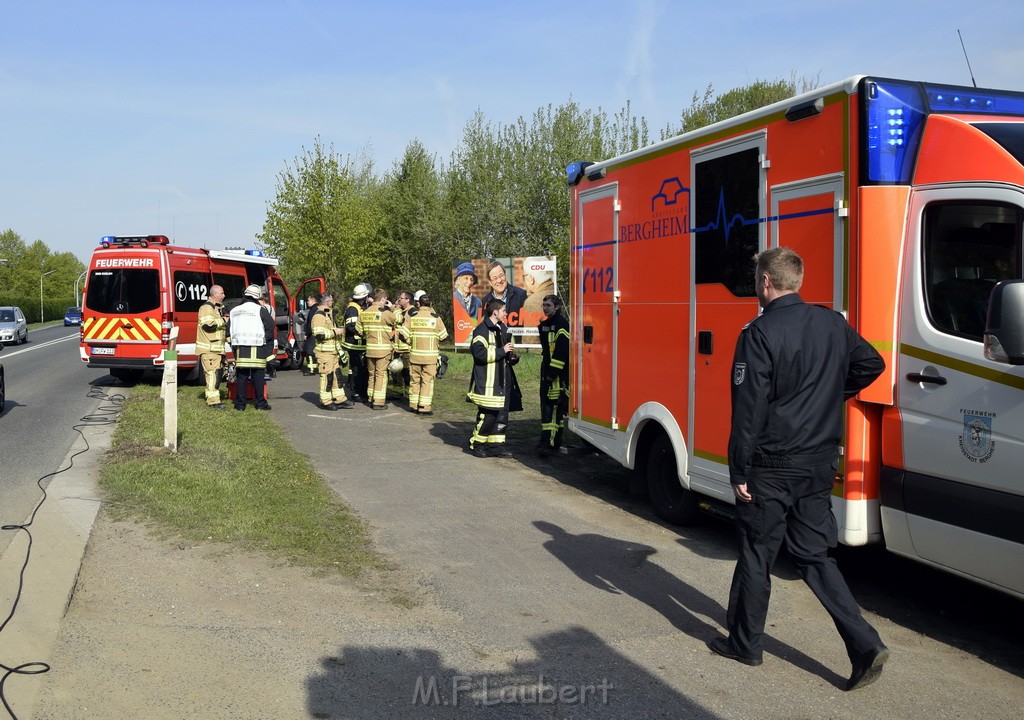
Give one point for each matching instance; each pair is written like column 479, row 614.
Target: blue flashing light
column 894, row 115
column 254, row 253
column 969, row 100
column 107, row 240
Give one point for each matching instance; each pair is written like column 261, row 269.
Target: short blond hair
column 782, row 266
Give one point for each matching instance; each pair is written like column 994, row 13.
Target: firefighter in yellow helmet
column 211, row 334
column 330, row 355
column 377, row 324
column 426, row 331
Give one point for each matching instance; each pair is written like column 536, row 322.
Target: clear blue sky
column 176, row 116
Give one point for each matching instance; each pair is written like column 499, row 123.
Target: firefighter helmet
column 361, row 291
column 396, row 365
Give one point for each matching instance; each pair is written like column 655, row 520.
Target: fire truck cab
column 140, row 286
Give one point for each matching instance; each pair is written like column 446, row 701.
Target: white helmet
column 396, row 365
column 418, row 294
column 361, row 291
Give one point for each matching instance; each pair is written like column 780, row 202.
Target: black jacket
column 554, row 341
column 794, row 366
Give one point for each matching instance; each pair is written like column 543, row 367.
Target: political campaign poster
column 521, row 282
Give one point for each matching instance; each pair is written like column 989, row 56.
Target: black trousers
column 791, row 504
column 554, row 405
column 490, row 427
column 358, row 375
column 256, row 376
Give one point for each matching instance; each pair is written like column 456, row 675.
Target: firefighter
column 330, row 355
column 355, row 343
column 554, row 375
column 403, row 310
column 211, row 333
column 251, row 332
column 426, row 331
column 377, row 324
column 308, row 345
column 493, row 386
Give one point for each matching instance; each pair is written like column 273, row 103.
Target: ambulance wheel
column 672, row 502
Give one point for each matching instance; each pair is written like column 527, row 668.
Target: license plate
column 102, row 351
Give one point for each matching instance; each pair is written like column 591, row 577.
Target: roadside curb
column 60, row 534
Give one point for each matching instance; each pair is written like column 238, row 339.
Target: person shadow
column 573, row 673
column 626, row 568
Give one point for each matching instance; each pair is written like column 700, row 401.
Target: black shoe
column 380, row 407
column 426, row 412
column 346, row 405
column 544, row 451
column 329, row 406
column 218, row 406
column 240, row 408
column 263, row 407
column 479, row 452
column 722, row 646
column 868, row 667
column 501, row 452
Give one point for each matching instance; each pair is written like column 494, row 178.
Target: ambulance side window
column 968, row 247
column 234, row 285
column 190, row 290
column 726, row 210
column 280, row 299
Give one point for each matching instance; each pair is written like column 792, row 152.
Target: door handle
column 933, row 379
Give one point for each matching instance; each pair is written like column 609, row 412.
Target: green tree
column 712, row 108
column 28, row 266
column 326, row 219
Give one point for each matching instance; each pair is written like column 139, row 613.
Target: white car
column 13, row 326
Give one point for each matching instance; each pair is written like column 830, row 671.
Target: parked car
column 13, row 326
column 73, row 316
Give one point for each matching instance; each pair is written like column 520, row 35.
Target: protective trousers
column 211, row 364
column 331, row 389
column 421, row 385
column 795, row 505
column 377, row 379
column 490, row 426
column 554, row 405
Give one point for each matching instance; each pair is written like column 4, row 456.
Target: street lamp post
column 48, row 272
column 81, row 277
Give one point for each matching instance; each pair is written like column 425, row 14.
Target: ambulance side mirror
column 1004, row 329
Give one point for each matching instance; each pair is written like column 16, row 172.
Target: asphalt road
column 526, row 575
column 49, row 390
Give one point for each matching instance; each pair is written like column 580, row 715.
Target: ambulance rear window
column 115, row 292
column 1009, row 135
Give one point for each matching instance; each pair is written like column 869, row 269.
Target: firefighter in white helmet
column 355, row 343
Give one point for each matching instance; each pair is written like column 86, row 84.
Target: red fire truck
column 141, row 286
column 906, row 201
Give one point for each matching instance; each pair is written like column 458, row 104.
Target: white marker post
column 169, row 393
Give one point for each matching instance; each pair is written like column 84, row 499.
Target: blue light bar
column 895, row 113
column 254, row 253
column 107, row 240
column 971, row 100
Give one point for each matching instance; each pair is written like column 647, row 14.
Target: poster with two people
column 521, row 282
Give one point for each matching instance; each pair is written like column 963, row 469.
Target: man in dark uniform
column 554, row 375
column 794, row 367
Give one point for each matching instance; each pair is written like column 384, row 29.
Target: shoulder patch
column 739, row 373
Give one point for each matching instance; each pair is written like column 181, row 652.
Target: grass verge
column 231, row 481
